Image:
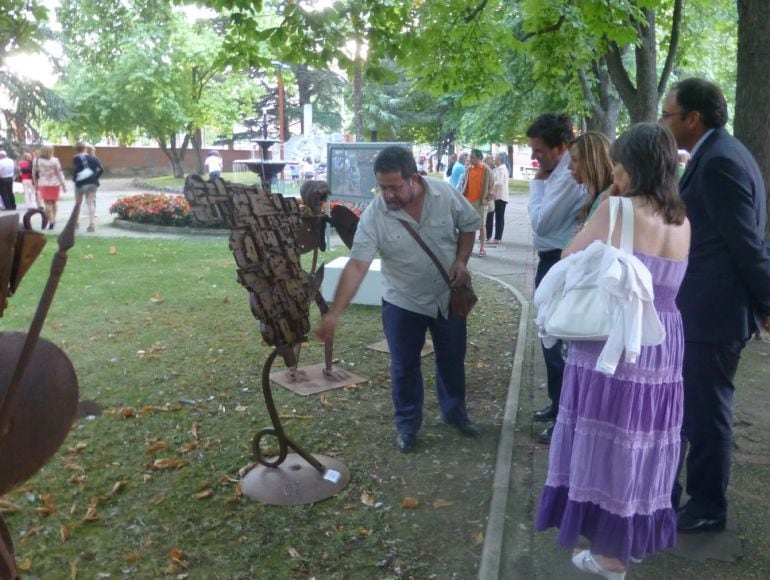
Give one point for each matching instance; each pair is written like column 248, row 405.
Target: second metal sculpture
column 268, row 235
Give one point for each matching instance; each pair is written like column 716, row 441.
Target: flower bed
column 173, row 210
column 154, row 208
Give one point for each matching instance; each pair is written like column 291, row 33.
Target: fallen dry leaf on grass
column 196, row 430
column 48, row 506
column 294, row 553
column 8, row 507
column 118, row 486
column 478, row 538
column 91, row 514
column 442, row 503
column 167, row 463
column 158, row 446
column 325, row 402
column 203, row 494
column 410, row 503
column 155, row 298
column 176, row 556
column 77, row 448
column 24, row 566
column 367, row 499
column 33, row 531
column 113, row 250
column 74, row 467
column 66, row 531
column 147, row 409
column 132, row 557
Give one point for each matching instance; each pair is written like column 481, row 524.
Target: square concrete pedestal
column 370, row 291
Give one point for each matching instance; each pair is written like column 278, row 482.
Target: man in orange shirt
column 477, row 189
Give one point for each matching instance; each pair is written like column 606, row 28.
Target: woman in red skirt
column 49, row 181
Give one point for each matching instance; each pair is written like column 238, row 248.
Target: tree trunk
column 196, row 139
column 605, row 106
column 752, row 108
column 303, row 92
column 641, row 99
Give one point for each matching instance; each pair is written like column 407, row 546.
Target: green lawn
column 161, row 336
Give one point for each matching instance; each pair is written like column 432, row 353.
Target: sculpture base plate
column 295, row 481
column 311, row 380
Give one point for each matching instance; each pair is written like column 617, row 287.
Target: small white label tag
column 332, row 475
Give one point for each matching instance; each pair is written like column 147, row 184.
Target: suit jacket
column 728, row 274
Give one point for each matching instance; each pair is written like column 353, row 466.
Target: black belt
column 549, row 254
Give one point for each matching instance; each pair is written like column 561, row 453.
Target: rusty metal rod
column 283, row 441
column 9, row 399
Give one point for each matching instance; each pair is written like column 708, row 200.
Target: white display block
column 370, row 291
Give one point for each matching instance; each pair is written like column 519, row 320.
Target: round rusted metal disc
column 295, row 481
column 46, row 408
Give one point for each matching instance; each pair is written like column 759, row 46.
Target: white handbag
column 84, row 173
column 582, row 312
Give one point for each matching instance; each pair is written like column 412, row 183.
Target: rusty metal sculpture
column 38, row 385
column 268, row 234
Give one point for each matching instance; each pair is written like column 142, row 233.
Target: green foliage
column 22, row 27
column 158, row 74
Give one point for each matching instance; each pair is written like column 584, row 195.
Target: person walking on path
column 49, row 181
column 214, row 164
column 7, row 173
column 458, row 171
column 477, row 189
column 25, row 171
column 500, row 192
column 555, row 201
column 86, row 171
column 727, row 283
column 615, row 448
column 415, row 297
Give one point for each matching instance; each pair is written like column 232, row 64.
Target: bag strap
column 428, row 251
column 625, row 206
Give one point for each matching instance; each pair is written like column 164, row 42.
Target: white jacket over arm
column 625, row 285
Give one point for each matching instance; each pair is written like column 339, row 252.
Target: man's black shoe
column 405, row 443
column 468, row 429
column 544, row 415
column 545, row 436
column 690, row 524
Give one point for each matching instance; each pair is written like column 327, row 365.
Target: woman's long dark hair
column 648, row 153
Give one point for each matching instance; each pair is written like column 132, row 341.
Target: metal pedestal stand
column 290, row 478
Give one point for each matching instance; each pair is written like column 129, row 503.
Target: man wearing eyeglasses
column 415, row 295
column 725, row 292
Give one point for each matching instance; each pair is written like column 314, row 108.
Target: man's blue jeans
column 405, row 332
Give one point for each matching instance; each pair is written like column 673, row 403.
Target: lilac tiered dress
column 615, row 447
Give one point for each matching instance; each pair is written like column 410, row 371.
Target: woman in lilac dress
column 615, row 447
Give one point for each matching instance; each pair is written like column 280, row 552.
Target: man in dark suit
column 725, row 291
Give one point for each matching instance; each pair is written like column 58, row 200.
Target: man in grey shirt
column 555, row 199
column 415, row 296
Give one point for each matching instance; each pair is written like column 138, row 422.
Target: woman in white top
column 500, row 190
column 49, row 181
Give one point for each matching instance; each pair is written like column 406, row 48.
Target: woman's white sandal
column 585, row 561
